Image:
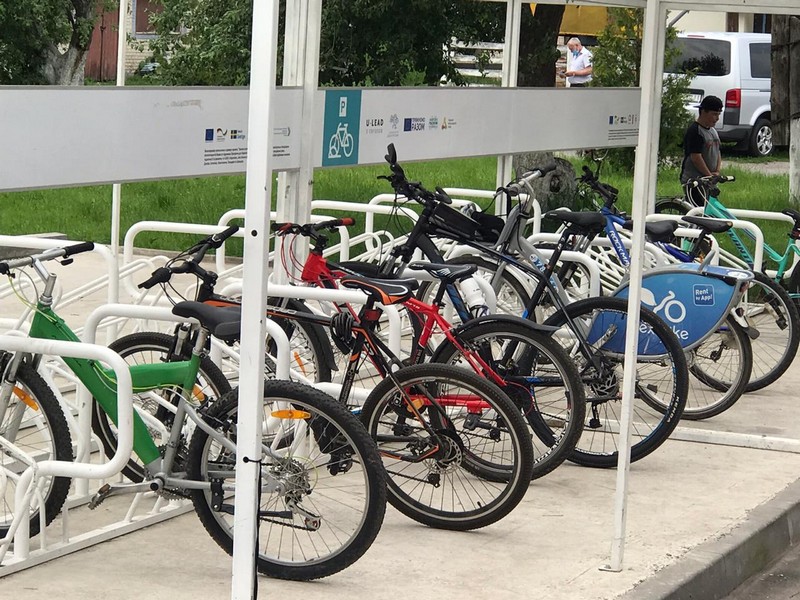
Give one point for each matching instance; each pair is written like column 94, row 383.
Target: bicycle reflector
column 290, row 413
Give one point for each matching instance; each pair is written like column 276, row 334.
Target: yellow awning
column 582, row 20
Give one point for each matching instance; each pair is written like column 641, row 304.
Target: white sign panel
column 72, row 136
column 428, row 123
column 78, row 136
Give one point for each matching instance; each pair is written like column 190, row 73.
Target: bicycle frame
column 715, row 208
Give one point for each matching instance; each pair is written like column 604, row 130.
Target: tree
column 45, row 41
column 363, row 42
column 538, row 45
column 785, row 94
column 617, row 63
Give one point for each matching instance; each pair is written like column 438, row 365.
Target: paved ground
column 688, row 502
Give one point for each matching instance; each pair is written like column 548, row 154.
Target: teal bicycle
column 323, row 490
column 770, row 311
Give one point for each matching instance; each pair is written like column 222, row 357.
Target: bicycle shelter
column 262, row 154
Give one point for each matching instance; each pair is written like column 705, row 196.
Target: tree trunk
column 538, row 53
column 794, row 110
column 557, row 189
column 779, row 94
column 66, row 67
column 538, row 45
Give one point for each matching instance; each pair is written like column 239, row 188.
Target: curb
column 717, row 567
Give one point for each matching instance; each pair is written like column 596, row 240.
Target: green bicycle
column 768, row 307
column 323, row 491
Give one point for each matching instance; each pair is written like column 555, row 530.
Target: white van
column 736, row 68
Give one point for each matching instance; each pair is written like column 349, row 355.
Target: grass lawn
column 85, row 213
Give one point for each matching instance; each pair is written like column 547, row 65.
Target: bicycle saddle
column 582, row 223
column 794, row 214
column 447, row 273
column 385, row 291
column 657, row 231
column 712, row 225
column 224, row 322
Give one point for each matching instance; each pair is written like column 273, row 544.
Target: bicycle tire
column 42, row 433
column 148, row 347
column 540, row 379
column 793, row 286
column 662, row 379
column 721, row 363
column 309, row 343
column 437, row 490
column 771, row 312
column 671, row 206
column 351, row 466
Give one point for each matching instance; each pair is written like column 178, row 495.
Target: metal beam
column 778, row 7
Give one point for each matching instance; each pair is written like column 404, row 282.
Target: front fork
column 9, row 365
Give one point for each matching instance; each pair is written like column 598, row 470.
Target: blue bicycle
column 772, row 319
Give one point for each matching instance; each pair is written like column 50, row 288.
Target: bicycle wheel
column 720, row 364
column 512, row 295
column 156, row 407
column 33, row 421
column 540, row 379
column 311, row 356
column 330, row 497
column 465, row 462
column 671, row 206
column 661, row 377
column 770, row 311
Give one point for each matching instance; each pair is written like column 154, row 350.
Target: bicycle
column 768, row 305
column 537, row 374
column 320, row 471
column 459, row 456
column 721, row 356
column 663, row 377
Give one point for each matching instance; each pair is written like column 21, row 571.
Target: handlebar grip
column 218, row 238
column 160, row 275
column 78, row 248
column 727, row 178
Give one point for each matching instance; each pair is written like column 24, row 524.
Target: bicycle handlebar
column 710, row 180
column 411, row 189
column 608, row 192
column 518, row 186
column 309, row 229
column 53, row 253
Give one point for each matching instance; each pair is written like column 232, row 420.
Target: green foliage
column 363, row 42
column 617, row 63
column 27, row 28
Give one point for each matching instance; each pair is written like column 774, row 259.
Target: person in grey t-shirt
column 701, row 154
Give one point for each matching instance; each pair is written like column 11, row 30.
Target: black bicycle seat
column 657, row 231
column 447, row 273
column 224, row 322
column 579, row 222
column 385, row 291
column 712, row 225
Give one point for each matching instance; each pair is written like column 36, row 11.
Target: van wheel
column 761, row 142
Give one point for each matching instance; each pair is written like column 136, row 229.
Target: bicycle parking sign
column 341, row 127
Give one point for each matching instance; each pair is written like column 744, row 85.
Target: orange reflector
column 26, row 398
column 299, row 362
column 416, row 401
column 198, row 393
column 291, row 414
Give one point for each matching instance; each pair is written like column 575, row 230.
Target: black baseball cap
column 711, row 103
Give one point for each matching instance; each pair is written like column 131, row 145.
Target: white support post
column 510, row 76
column 256, row 246
column 116, row 189
column 644, row 185
column 301, row 68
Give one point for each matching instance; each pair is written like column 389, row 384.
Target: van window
column 760, row 60
column 706, row 57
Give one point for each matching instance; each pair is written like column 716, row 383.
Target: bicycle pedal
column 99, row 496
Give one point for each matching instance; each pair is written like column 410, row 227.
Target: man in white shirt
column 580, row 71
